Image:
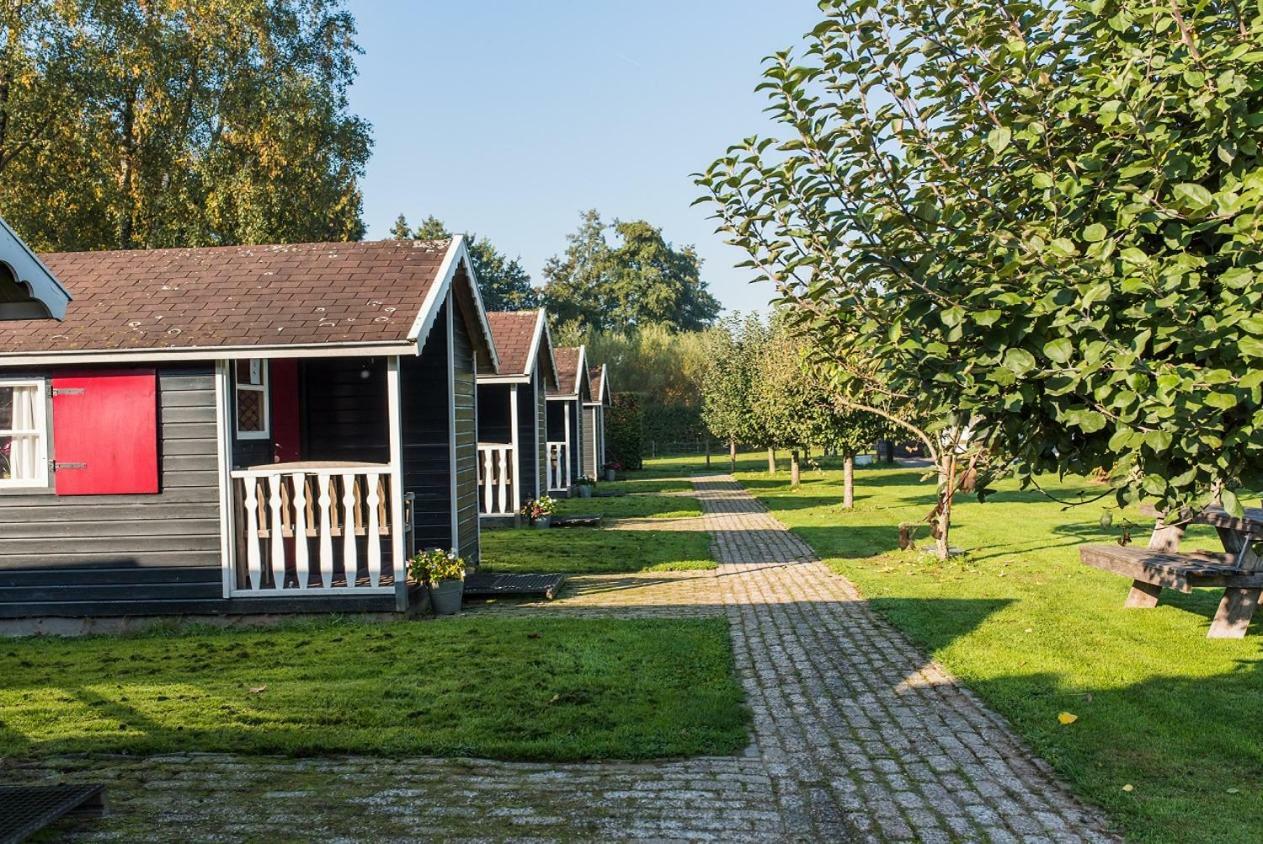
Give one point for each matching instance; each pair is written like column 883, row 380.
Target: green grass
column 552, row 689
column 608, row 549
column 1019, row 619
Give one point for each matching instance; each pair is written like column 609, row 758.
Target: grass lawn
column 607, row 549
column 1160, row 707
column 552, row 689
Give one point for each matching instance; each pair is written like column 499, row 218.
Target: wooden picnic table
column 1238, row 568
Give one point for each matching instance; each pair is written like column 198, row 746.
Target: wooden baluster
column 503, row 479
column 373, row 536
column 326, row 531
column 301, row 563
column 251, row 524
column 350, row 561
column 484, row 458
column 276, row 561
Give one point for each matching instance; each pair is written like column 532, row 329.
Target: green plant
column 435, row 565
column 584, row 480
column 538, row 508
column 624, row 430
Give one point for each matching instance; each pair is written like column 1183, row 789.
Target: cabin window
column 251, row 379
column 23, row 437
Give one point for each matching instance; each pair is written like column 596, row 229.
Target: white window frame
column 40, row 481
column 265, row 389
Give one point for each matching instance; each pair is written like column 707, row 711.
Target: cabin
column 594, row 422
column 28, row 290
column 512, row 414
column 565, row 419
column 241, row 430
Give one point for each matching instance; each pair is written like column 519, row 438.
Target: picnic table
column 1161, row 565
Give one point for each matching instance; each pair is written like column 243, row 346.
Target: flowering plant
column 615, row 465
column 436, row 565
column 584, row 480
column 539, row 508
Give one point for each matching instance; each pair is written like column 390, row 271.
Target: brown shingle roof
column 596, row 377
column 313, row 293
column 513, row 332
column 567, row 370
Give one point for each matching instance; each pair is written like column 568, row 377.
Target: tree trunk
column 941, row 540
column 793, row 468
column 848, row 482
column 732, row 454
column 771, row 461
column 707, row 441
column 126, row 176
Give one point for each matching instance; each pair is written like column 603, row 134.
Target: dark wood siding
column 345, row 415
column 465, row 395
column 427, row 472
column 541, row 420
column 576, row 439
column 528, row 461
column 125, row 554
column 589, row 442
column 493, row 413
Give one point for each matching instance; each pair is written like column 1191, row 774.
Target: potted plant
column 539, row 512
column 585, row 486
column 611, row 469
column 443, row 573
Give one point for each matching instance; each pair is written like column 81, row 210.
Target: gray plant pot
column 609, row 474
column 445, row 597
column 585, row 490
column 542, row 523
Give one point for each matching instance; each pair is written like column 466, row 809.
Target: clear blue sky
column 507, row 118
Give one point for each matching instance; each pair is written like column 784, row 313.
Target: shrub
column 624, row 431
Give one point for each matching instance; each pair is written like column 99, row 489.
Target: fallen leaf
column 1030, row 630
column 1129, row 787
column 1234, row 791
column 1067, row 717
column 256, row 690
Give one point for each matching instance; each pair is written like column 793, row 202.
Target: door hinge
column 57, row 467
column 68, row 391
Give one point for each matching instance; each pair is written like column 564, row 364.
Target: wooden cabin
column 512, row 413
column 594, row 422
column 565, row 419
column 28, row 290
column 241, row 430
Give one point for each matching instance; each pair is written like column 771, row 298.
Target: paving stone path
column 856, row 737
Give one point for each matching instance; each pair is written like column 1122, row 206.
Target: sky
column 506, row 119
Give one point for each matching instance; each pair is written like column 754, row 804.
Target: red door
column 105, row 432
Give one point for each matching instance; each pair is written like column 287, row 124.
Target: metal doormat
column 491, row 585
column 25, row 810
column 576, row 521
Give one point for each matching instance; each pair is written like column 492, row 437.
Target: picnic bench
column 1237, row 569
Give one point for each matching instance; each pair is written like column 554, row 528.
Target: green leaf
column 1231, row 503
column 1193, row 195
column 1094, row 233
column 1223, row 401
column 1019, row 361
column 1042, row 181
column 1090, row 421
column 999, row 138
column 986, row 317
column 1059, row 350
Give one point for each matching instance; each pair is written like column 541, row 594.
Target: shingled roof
column 597, row 378
column 570, row 367
column 522, row 337
column 382, row 294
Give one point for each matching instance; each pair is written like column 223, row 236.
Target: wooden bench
column 1237, row 569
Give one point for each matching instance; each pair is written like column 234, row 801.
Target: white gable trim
column 457, row 254
column 48, row 297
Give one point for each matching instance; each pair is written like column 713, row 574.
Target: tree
column 640, row 279
column 1038, row 223
column 503, row 283
column 134, row 124
column 732, row 352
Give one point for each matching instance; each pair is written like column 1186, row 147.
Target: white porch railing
column 312, row 528
column 496, row 476
column 558, row 465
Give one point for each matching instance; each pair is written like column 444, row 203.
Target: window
column 23, row 441
column 251, row 377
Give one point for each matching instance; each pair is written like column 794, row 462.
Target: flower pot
column 609, row 474
column 542, row 523
column 445, row 597
column 585, row 490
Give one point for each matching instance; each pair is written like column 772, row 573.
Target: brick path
column 856, row 737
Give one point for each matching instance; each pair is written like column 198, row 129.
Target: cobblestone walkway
column 861, row 736
column 856, row 737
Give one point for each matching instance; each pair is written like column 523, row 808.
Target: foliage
column 624, row 431
column 639, row 280
column 596, row 689
column 1041, row 221
column 503, row 283
column 1034, row 633
column 188, row 123
column 435, row 565
column 538, row 508
column 584, row 480
column 732, row 353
